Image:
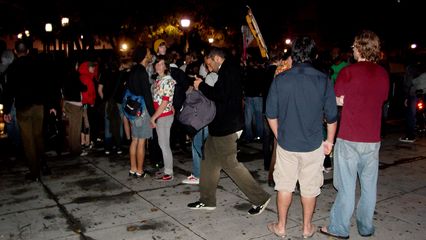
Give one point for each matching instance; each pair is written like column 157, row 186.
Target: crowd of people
column 310, row 118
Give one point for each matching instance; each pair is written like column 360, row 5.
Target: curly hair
column 368, row 45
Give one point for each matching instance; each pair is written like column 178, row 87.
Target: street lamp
column 65, row 21
column 48, row 27
column 211, row 40
column 185, row 22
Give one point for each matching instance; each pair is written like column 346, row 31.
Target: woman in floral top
column 162, row 94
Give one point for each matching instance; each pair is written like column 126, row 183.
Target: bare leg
column 140, row 155
column 132, row 153
column 126, row 127
column 283, row 204
column 308, row 204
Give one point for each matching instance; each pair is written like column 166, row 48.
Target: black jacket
column 139, row 85
column 29, row 84
column 227, row 95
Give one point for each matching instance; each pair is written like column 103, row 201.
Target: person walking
column 29, row 97
column 361, row 88
column 298, row 101
column 221, row 145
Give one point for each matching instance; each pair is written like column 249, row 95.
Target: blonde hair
column 368, row 45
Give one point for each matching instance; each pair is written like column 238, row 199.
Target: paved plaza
column 93, row 197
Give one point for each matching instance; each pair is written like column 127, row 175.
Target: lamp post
column 185, row 22
column 48, row 28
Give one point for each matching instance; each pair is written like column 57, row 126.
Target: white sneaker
column 191, row 180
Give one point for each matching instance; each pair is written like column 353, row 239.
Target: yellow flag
column 254, row 28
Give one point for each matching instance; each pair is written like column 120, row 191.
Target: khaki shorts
column 305, row 167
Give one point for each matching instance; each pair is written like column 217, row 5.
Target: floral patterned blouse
column 163, row 90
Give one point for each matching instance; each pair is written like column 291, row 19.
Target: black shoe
column 256, row 210
column 200, row 205
column 119, row 151
column 140, row 175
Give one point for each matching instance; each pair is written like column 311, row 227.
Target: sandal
column 272, row 227
column 325, row 232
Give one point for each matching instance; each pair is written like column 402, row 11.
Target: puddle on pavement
column 145, row 226
column 117, row 198
column 75, row 169
column 100, row 184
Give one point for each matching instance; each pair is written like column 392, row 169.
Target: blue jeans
column 12, row 129
column 253, row 112
column 352, row 159
column 197, row 150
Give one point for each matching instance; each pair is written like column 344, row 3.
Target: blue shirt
column 301, row 98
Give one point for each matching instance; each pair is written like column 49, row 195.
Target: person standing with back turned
column 298, row 101
column 221, row 145
column 361, row 88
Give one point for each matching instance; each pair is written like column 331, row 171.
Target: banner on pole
column 255, row 32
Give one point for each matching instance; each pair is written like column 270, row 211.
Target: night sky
column 329, row 21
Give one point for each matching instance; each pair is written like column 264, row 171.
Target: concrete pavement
column 92, row 197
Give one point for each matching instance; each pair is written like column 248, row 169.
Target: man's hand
column 328, row 146
column 197, row 82
column 340, row 100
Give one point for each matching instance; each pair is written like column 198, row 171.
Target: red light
column 420, row 105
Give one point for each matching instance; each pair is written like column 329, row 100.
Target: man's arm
column 331, row 132
column 273, row 123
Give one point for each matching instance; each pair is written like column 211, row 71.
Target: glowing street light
column 124, row 47
column 413, row 46
column 65, row 21
column 48, row 27
column 27, row 33
column 211, row 40
column 184, row 22
column 288, row 41
column 20, row 35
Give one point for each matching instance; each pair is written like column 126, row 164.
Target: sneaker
column 407, row 139
column 200, row 205
column 84, row 153
column 191, row 180
column 165, row 178
column 256, row 210
column 119, row 151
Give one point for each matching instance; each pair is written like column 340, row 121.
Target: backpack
column 197, row 110
column 132, row 105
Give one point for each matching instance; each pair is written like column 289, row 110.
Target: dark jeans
column 410, row 117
